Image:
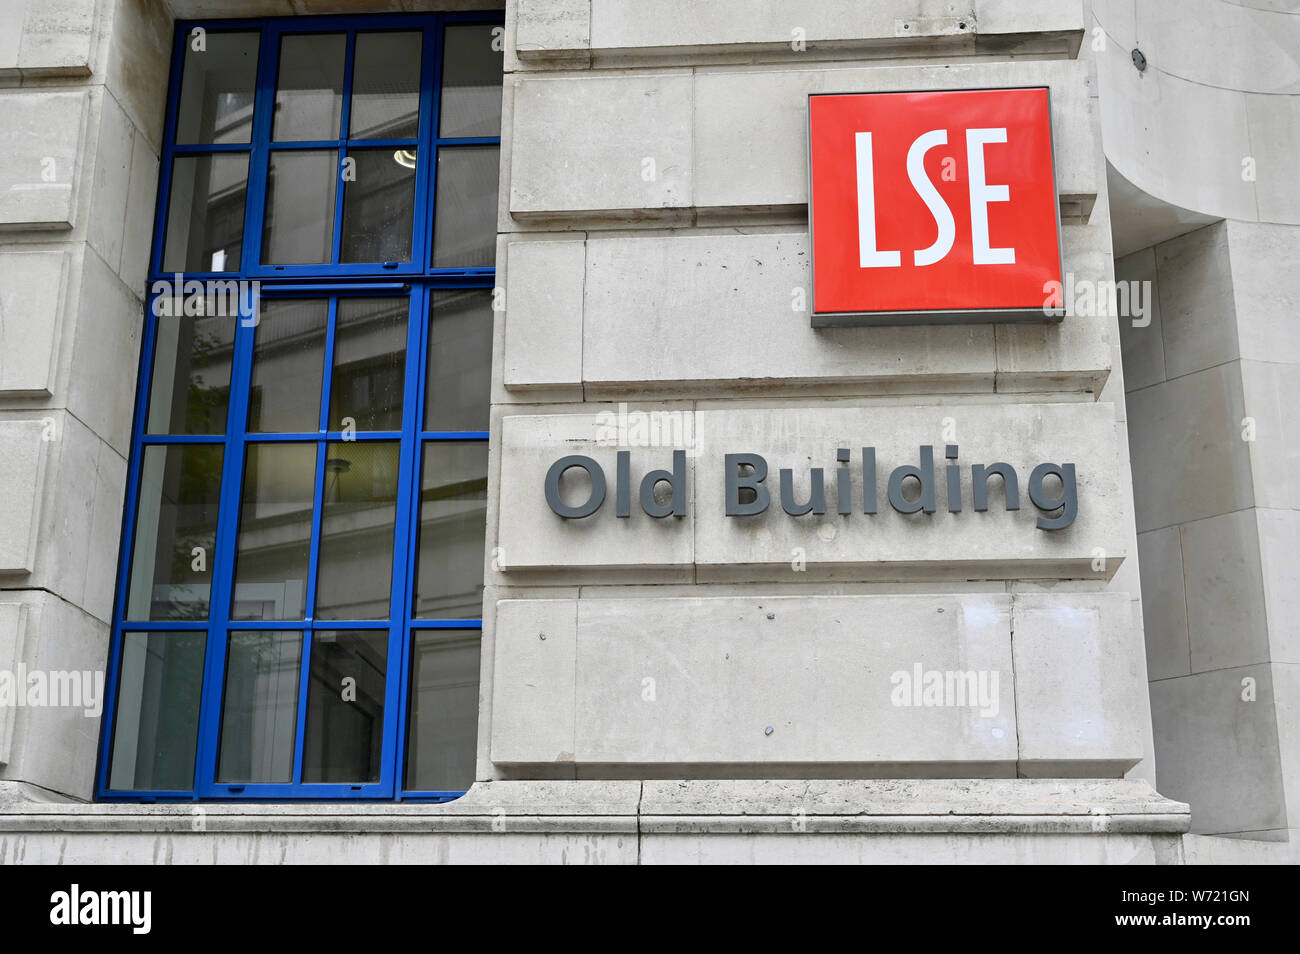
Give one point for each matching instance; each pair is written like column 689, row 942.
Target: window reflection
column 471, row 82
column 458, row 382
column 155, row 731
column 443, row 720
column 190, row 393
column 379, row 206
column 274, row 542
column 175, row 532
column 453, row 526
column 309, row 87
column 386, row 86
column 288, row 366
column 299, row 226
column 369, row 364
column 217, row 86
column 345, row 706
column 259, row 711
column 205, row 213
column 358, row 516
column 465, row 216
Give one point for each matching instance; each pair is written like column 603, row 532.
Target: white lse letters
column 981, row 194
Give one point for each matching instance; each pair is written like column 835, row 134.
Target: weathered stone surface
column 22, row 473
column 41, row 157
column 1080, row 683
column 633, row 155
column 544, row 306
column 829, row 681
column 32, row 290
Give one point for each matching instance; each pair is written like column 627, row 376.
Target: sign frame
column 933, row 316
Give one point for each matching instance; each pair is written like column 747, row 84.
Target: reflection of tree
column 198, row 493
column 206, row 405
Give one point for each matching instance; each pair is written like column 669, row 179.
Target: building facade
column 427, row 437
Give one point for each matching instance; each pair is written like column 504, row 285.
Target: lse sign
column 933, row 206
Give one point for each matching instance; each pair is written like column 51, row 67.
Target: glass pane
column 345, row 706
column 471, row 82
column 175, row 532
column 217, row 87
column 156, row 730
column 274, row 544
column 386, row 86
column 357, row 520
column 190, row 393
column 299, row 226
column 465, row 216
column 205, row 213
column 309, row 87
column 369, row 364
column 459, row 376
column 453, row 528
column 259, row 710
column 379, row 206
column 441, row 737
column 288, row 366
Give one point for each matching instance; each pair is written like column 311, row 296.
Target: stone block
column 965, row 545
column 22, row 474
column 703, row 680
column 40, row 157
column 601, row 146
column 1080, row 684
column 533, row 700
column 1197, row 314
column 1185, row 438
column 1164, row 603
column 32, row 290
column 1216, row 737
column 1226, row 622
column 544, row 315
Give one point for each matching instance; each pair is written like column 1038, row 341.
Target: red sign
column 940, row 206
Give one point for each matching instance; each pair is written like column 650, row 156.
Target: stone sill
column 973, row 806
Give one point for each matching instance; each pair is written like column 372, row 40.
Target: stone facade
column 698, row 688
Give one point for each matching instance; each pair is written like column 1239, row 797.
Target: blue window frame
column 299, row 594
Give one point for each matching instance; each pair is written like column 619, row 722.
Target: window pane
column 274, row 543
column 190, row 393
column 288, row 366
column 458, row 381
column 309, row 87
column 465, row 214
column 217, row 87
column 299, row 226
column 369, row 363
column 345, row 706
column 175, row 532
column 443, row 725
column 453, row 528
column 259, row 710
column 471, row 82
column 358, row 515
column 156, row 729
column 379, row 206
column 205, row 213
column 386, row 86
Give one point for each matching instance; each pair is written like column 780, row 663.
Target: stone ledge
column 1025, row 806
